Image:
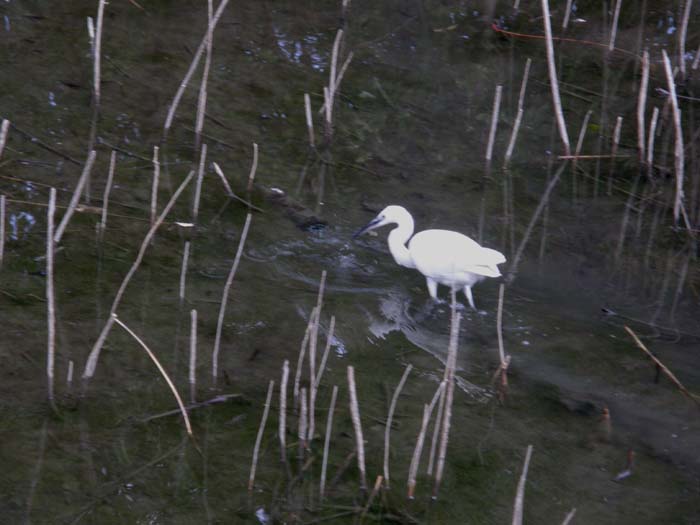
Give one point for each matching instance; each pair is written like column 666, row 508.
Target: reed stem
column 520, row 494
column 390, row 419
column 193, row 355
column 108, row 189
column 154, row 185
column 357, row 425
column 282, row 431
column 76, row 196
column 50, row 299
column 198, row 183
column 258, row 439
column 327, row 442
column 678, row 149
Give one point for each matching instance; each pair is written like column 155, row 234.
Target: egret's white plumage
column 443, row 256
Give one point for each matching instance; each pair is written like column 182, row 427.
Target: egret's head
column 390, row 215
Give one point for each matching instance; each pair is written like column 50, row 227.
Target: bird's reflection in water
column 426, row 327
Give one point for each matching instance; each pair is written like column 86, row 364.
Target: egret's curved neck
column 398, row 237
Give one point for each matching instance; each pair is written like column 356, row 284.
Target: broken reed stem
column 202, row 98
column 613, row 31
column 303, row 422
column 641, row 106
column 4, row 128
column 390, row 419
column 302, row 354
column 282, row 431
column 519, row 117
column 183, row 271
column 2, row 227
column 162, row 371
column 327, row 442
column 108, row 189
column 154, row 185
column 253, row 171
column 494, row 122
column 650, row 144
column 258, row 439
column 499, row 324
column 682, row 35
column 313, row 344
column 198, row 183
column 420, row 440
column 97, row 52
column 193, row 67
column 326, row 352
column 69, row 375
column 663, row 368
column 520, row 494
column 436, row 432
column 309, row 120
column 678, row 149
column 229, row 191
column 569, row 517
column 567, row 15
column 372, row 495
column 577, row 154
column 224, row 298
column 357, row 425
column 512, row 271
column 328, row 120
column 553, row 80
column 76, row 196
column 50, row 298
column 91, row 363
column 613, row 153
column 193, row 355
column 696, row 61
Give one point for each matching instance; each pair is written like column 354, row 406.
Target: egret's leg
column 468, row 294
column 432, row 288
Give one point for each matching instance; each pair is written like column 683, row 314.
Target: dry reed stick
column 372, row 495
column 436, row 433
column 696, row 62
column 327, row 442
column 641, row 106
column 4, row 128
column 303, row 422
column 326, row 351
column 553, row 80
column 313, row 343
column 519, row 117
column 198, row 183
column 229, row 191
column 334, row 63
column 69, row 375
column 2, row 228
column 309, row 120
column 253, row 171
column 193, row 355
column 520, row 494
column 108, row 189
column 663, row 368
column 682, row 35
column 258, row 439
column 613, row 31
column 418, row 450
column 224, row 298
column 494, row 122
column 390, row 419
column 567, row 15
column 91, row 363
column 569, row 517
column 154, row 185
column 193, row 66
column 613, row 153
column 650, row 143
column 328, row 120
column 202, row 98
column 50, row 298
column 97, row 52
column 282, row 431
column 357, row 425
column 162, row 371
column 302, row 354
column 499, row 323
column 183, row 271
column 678, row 150
column 76, row 196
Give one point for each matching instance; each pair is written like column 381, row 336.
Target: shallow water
column 411, row 128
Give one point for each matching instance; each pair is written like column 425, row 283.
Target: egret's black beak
column 369, row 226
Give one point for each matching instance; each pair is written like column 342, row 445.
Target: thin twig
column 258, row 439
column 76, row 196
column 357, row 425
column 520, row 494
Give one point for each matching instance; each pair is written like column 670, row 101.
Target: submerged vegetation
column 187, row 173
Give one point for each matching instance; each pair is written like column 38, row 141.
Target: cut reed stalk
column 569, row 517
column 303, row 422
column 2, row 227
column 553, row 80
column 154, row 185
column 4, row 128
column 694, row 398
column 313, row 344
column 193, row 356
column 326, row 352
column 229, row 191
column 69, row 375
column 682, row 35
column 641, row 107
column 282, row 431
column 420, row 440
column 309, row 120
column 334, row 64
column 357, row 425
column 494, row 122
column 436, row 433
column 613, row 30
column 224, row 298
column 625, row 219
column 696, row 62
column 499, row 323
column 567, row 15
column 520, row 494
column 202, row 98
column 193, row 67
column 390, row 419
column 76, row 196
column 108, row 189
column 50, row 298
column 198, row 183
column 97, row 53
column 258, row 439
column 650, row 144
column 253, row 171
column 327, row 442
column 162, row 371
column 678, row 149
column 613, row 153
column 372, row 495
column 302, row 354
column 91, row 363
column 183, row 271
column 519, row 117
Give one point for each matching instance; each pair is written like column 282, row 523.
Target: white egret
column 442, row 256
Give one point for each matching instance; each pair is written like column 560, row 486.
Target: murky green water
column 411, row 128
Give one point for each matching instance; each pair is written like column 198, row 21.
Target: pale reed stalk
column 326, row 352
column 309, row 120
column 193, row 355
column 154, row 185
column 97, row 52
column 357, row 425
column 615, row 144
column 418, row 450
column 2, row 228
column 183, row 271
column 616, row 18
column 69, row 374
column 372, row 495
column 202, row 98
column 303, row 422
column 4, row 128
column 678, row 149
column 499, row 324
column 494, row 122
column 91, row 363
column 682, row 35
column 569, row 517
column 108, row 190
column 327, row 442
column 282, row 431
column 258, row 439
column 650, row 143
column 567, row 15
column 302, row 354
column 520, row 494
column 50, row 298
column 519, row 117
column 224, row 299
column 390, row 419
column 76, row 196
column 198, row 183
column 253, row 171
column 641, row 106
